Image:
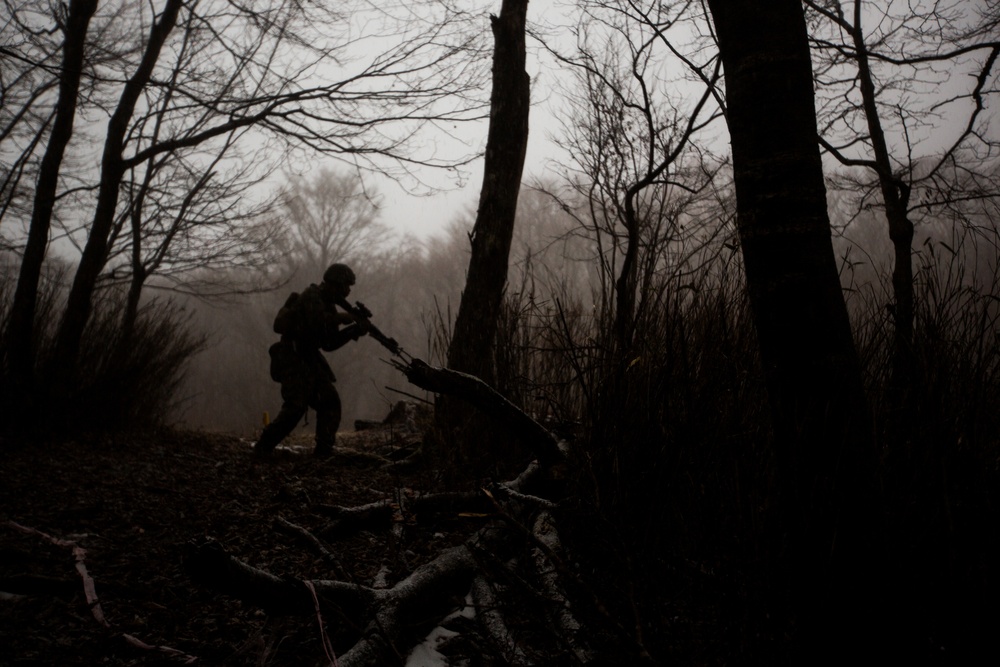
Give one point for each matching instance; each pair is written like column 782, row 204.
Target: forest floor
column 130, row 509
column 136, row 504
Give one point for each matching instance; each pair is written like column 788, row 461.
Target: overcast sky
column 426, row 216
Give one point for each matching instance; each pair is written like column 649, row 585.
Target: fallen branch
column 548, row 564
column 331, row 655
column 287, row 526
column 492, row 621
column 381, row 514
column 389, row 616
column 138, row 643
column 80, row 555
column 210, row 565
column 471, row 389
column 411, row 607
column 350, row 520
column 90, row 591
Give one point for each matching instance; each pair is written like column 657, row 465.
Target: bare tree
column 30, row 62
column 18, row 344
column 475, row 326
column 195, row 229
column 894, row 106
column 332, row 216
column 632, row 139
column 473, row 337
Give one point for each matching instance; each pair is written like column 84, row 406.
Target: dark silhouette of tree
column 113, row 167
column 880, row 69
column 470, row 350
column 633, row 142
column 471, row 347
column 823, row 444
column 18, row 345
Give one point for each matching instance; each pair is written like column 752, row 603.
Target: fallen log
column 411, row 607
column 392, row 618
column 477, row 393
column 495, row 625
column 548, row 565
column 381, row 514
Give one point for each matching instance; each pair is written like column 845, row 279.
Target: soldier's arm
column 339, row 336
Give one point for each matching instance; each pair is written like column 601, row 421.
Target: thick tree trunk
column 20, row 347
column 471, row 348
column 95, row 253
column 823, row 443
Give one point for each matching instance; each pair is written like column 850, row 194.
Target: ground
column 135, row 504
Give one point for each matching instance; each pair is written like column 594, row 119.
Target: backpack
column 284, row 322
column 283, row 360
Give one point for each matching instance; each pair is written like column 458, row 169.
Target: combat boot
column 263, row 450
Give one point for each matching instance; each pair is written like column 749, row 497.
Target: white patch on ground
column 426, row 654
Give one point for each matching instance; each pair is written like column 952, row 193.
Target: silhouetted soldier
column 309, row 323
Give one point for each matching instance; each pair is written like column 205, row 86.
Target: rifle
column 361, row 314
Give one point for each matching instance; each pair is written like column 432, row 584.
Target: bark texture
column 822, row 433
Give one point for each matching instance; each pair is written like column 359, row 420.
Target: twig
column 80, row 554
column 324, row 638
column 138, row 643
column 409, row 395
column 317, row 544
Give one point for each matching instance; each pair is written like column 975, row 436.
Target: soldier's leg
column 295, row 400
column 328, row 412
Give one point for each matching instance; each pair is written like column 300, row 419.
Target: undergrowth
column 674, row 458
column 122, row 381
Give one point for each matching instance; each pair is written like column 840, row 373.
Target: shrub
column 123, row 380
column 130, row 380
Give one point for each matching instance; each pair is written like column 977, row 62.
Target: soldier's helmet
column 339, row 274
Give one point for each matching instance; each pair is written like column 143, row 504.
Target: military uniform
column 308, row 323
